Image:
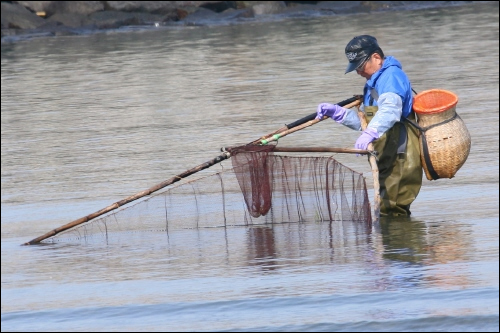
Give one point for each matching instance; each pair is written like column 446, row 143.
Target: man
column 387, row 102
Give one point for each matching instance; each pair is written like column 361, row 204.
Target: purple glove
column 366, row 138
column 334, row 111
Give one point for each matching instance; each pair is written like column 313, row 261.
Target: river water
column 90, row 120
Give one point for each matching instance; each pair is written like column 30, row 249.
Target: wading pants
column 400, row 168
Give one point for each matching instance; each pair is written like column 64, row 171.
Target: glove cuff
column 339, row 116
column 371, row 132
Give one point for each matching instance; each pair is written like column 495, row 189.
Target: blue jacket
column 390, row 78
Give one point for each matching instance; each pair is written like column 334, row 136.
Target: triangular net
column 260, row 188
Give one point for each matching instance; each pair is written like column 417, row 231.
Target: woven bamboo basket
column 444, row 141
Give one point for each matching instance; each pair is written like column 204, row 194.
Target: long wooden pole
column 320, row 150
column 131, row 198
column 373, row 163
column 225, row 155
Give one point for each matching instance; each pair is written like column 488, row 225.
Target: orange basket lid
column 434, row 101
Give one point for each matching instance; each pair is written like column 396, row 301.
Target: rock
column 267, row 7
column 72, row 20
column 110, row 19
column 50, row 8
column 15, row 16
column 35, row 6
column 42, row 18
column 158, row 7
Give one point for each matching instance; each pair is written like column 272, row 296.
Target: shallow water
column 90, row 120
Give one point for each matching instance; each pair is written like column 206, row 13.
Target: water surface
column 90, row 120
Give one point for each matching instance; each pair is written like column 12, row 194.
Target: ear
column 378, row 59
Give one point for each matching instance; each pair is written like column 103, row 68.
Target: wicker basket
column 444, row 141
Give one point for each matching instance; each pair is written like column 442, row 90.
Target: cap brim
column 353, row 65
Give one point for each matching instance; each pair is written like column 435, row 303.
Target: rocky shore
column 23, row 20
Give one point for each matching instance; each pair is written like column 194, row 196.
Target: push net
column 260, row 187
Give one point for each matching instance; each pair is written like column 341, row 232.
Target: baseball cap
column 359, row 49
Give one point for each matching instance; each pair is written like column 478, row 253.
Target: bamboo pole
column 131, row 198
column 373, row 163
column 345, row 103
column 277, row 136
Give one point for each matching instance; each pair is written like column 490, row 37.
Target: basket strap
column 427, row 158
column 425, row 148
column 414, row 124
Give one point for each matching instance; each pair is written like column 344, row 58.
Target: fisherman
column 387, row 102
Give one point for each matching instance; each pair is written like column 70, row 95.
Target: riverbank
column 24, row 20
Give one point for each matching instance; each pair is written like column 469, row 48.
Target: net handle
column 277, row 136
column 345, row 103
column 373, row 164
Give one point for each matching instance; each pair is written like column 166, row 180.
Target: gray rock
column 201, row 16
column 154, row 7
column 35, row 6
column 268, row 7
column 15, row 16
column 110, row 19
column 72, row 20
column 19, row 18
column 63, row 7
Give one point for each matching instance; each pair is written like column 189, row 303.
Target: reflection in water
column 403, row 239
column 440, row 248
column 290, row 245
column 261, row 247
column 414, row 241
column 404, row 253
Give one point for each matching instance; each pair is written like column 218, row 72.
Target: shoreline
column 38, row 19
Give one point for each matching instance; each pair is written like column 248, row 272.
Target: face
column 371, row 65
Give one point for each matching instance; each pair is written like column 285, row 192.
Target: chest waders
column 399, row 164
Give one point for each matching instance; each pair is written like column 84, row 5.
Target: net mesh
column 260, row 188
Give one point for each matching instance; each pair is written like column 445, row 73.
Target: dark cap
column 359, row 49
